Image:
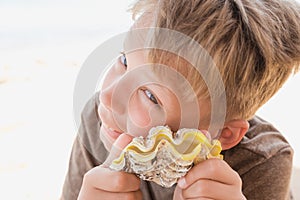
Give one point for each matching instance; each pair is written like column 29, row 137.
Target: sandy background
column 42, row 47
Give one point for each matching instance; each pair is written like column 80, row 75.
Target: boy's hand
column 210, row 179
column 103, row 183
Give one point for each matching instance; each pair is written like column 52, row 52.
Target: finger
column 112, row 181
column 205, row 188
column 121, row 142
column 104, row 195
column 177, row 194
column 214, row 169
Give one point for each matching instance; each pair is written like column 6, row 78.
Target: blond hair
column 254, row 43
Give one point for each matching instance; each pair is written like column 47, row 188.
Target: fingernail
column 181, row 183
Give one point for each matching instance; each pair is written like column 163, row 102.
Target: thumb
column 121, row 142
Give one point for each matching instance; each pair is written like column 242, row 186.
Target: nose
column 106, row 95
column 111, row 97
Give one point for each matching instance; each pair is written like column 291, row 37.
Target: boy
column 255, row 46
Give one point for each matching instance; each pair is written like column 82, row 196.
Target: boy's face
column 133, row 99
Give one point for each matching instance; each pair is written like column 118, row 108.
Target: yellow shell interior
column 186, row 147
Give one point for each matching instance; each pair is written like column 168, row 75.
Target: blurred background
column 42, row 47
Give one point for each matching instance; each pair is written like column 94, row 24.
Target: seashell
column 164, row 157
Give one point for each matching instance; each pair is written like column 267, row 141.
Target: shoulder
column 263, row 139
column 261, row 143
column 263, row 157
column 90, row 109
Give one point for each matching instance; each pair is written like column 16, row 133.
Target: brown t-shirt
column 263, row 160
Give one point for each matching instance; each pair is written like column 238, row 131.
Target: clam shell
column 164, row 157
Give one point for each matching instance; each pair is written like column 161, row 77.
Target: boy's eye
column 151, row 96
column 123, row 60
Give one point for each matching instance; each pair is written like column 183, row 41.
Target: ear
column 233, row 132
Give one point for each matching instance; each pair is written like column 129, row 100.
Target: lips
column 108, row 122
column 111, row 132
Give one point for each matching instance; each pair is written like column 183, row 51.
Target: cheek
column 174, row 117
column 174, row 120
column 143, row 115
column 138, row 112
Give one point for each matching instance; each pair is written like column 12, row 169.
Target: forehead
column 146, row 20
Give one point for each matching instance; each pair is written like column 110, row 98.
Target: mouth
column 111, row 132
column 105, row 116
